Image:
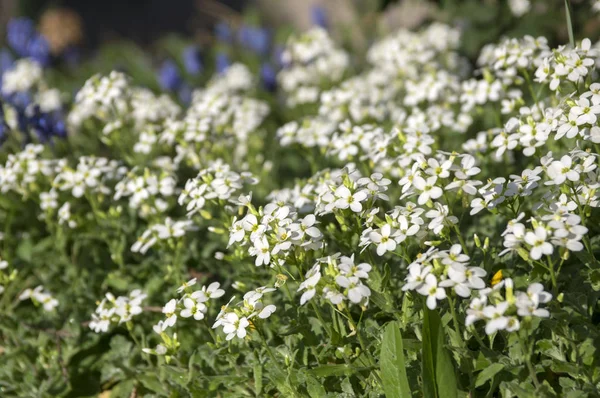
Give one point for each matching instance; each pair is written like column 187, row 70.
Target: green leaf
column 569, row 23
column 315, row 389
column 488, row 373
column 258, row 375
column 176, row 375
column 332, row 370
column 280, row 381
column 382, row 300
column 25, row 250
column 393, row 367
column 152, row 383
column 439, row 379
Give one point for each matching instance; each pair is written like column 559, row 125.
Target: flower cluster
column 235, row 319
column 434, row 271
column 117, row 310
column 310, row 62
column 274, row 232
column 148, row 193
column 166, row 231
column 190, row 304
column 40, row 296
column 508, row 311
column 354, row 198
column 216, row 183
column 341, row 280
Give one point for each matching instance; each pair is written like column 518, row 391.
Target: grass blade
column 569, row 23
column 437, row 367
column 393, row 367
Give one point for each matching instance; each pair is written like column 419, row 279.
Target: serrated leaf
column 347, row 387
column 488, row 373
column 393, row 367
column 280, row 381
column 152, row 383
column 314, row 387
column 382, row 301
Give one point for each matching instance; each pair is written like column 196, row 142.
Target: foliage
column 401, row 226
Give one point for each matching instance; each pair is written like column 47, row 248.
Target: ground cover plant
column 406, row 225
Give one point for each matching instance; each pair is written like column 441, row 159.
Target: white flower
column 467, row 168
column 463, row 279
column 236, row 232
column 210, row 292
column 455, row 255
column 384, row 239
column 536, row 293
column 263, row 254
column 192, row 308
column 313, row 276
column 348, row 199
column 437, row 169
column 187, row 284
column 432, row 291
column 475, row 311
column 440, row 217
column 169, row 310
column 427, row 188
column 416, row 276
column 404, row 230
column 559, row 171
column 584, row 112
column 233, row 325
column 267, row 311
column 356, row 291
column 347, row 268
column 537, row 240
column 306, row 226
column 497, row 320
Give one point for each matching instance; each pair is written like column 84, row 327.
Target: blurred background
column 160, row 42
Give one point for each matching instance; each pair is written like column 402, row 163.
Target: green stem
column 137, row 343
column 552, row 275
column 455, row 318
column 320, row 317
column 528, row 350
column 461, row 240
column 363, row 346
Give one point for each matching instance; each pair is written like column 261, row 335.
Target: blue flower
column 255, row 39
column 19, row 32
column 169, row 77
column 268, row 77
column 223, row 32
column 222, row 62
column 319, row 16
column 19, row 100
column 30, row 117
column 46, row 125
column 39, row 50
column 23, row 38
column 192, row 60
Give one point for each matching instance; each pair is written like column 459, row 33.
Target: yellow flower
column 497, row 278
